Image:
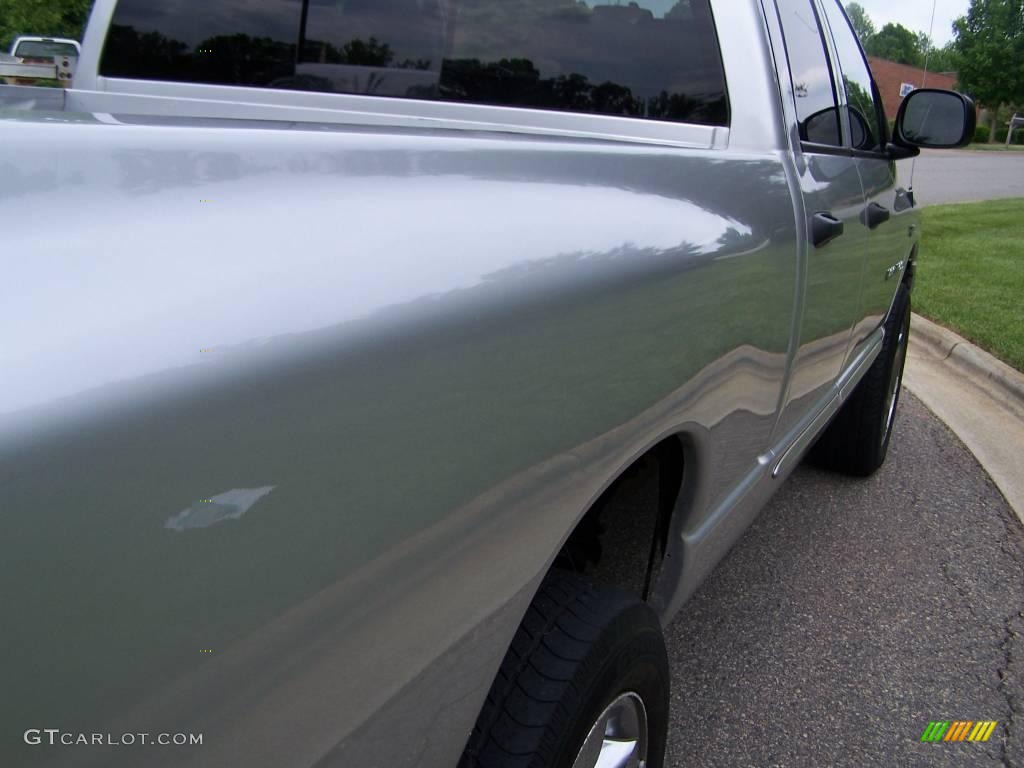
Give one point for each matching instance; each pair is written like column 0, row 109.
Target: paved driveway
column 854, row 612
column 943, row 176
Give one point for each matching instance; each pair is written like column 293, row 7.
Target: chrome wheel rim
column 618, row 739
column 895, row 379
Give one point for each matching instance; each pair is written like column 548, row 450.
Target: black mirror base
column 899, row 152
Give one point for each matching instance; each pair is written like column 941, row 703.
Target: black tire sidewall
column 857, row 441
column 628, row 657
column 897, row 356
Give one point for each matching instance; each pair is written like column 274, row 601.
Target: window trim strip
column 165, row 98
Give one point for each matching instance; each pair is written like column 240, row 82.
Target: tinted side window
column 223, row 42
column 653, row 59
column 816, row 103
column 866, row 114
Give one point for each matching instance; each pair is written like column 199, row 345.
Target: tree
column 938, row 59
column 924, row 43
column 990, row 48
column 371, row 53
column 943, row 59
column 42, row 17
column 862, row 23
column 897, row 43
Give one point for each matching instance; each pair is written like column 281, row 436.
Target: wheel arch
column 625, row 535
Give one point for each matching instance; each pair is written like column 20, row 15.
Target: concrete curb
column 992, row 375
column 978, row 397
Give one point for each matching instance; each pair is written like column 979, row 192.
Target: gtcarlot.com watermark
column 54, row 736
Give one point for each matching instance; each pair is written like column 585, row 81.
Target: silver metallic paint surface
column 888, row 244
column 414, row 338
column 831, row 307
column 437, row 345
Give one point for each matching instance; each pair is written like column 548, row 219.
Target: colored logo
column 959, row 730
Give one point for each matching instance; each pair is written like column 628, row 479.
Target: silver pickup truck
column 380, row 376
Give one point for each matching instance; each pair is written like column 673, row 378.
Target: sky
column 916, row 15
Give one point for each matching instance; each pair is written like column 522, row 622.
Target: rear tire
column 857, row 440
column 587, row 667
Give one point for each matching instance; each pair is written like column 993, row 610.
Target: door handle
column 874, row 215
column 825, row 228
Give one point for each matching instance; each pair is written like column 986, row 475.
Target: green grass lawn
column 971, row 274
column 998, row 147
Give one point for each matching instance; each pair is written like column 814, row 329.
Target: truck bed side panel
column 292, row 420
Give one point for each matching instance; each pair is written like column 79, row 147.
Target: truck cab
column 31, row 48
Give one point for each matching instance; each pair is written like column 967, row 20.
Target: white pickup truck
column 319, row 398
column 40, row 58
column 30, row 47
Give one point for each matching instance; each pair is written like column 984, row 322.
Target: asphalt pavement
column 957, row 176
column 852, row 613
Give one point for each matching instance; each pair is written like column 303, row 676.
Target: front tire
column 857, row 440
column 585, row 683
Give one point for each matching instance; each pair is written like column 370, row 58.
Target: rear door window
column 813, row 86
column 867, row 116
column 652, row 59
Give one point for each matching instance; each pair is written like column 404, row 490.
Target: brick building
column 894, row 81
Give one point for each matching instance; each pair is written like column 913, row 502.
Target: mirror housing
column 933, row 119
column 821, row 127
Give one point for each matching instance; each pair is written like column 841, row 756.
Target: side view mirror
column 821, row 127
column 934, row 119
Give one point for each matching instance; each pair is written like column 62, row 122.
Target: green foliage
column 990, row 47
column 1003, row 130
column 897, row 43
column 862, row 23
column 50, row 18
column 944, row 59
column 981, row 134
